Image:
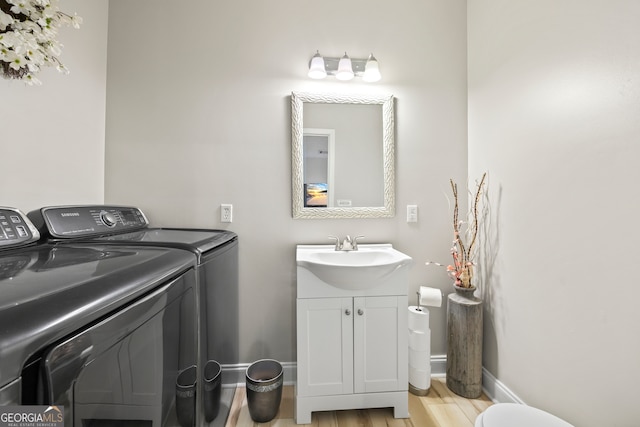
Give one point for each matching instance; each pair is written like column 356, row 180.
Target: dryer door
column 124, row 368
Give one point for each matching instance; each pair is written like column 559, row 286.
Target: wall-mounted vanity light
column 344, row 68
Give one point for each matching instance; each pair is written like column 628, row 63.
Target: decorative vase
column 464, row 342
column 467, row 292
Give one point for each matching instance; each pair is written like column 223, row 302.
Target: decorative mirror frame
column 388, row 146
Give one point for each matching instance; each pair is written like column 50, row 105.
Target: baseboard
column 235, row 374
column 492, row 387
column 439, row 365
column 496, row 390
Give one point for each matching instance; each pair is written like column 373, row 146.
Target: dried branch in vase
column 461, row 270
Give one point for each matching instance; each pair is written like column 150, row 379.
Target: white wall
column 198, row 114
column 554, row 96
column 52, row 136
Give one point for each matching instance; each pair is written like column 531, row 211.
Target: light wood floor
column 439, row 408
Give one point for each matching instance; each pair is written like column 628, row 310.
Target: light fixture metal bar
column 331, row 65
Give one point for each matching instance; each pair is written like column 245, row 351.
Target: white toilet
column 513, row 414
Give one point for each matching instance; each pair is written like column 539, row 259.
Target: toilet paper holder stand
column 419, row 298
column 419, row 375
column 418, row 306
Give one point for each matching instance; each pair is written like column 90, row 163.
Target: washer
column 216, row 256
column 102, row 331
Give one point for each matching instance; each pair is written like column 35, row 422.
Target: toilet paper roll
column 420, row 379
column 419, row 359
column 430, row 296
column 420, row 341
column 418, row 319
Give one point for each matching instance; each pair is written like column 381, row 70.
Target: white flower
column 16, row 61
column 76, row 21
column 24, row 7
column 4, row 54
column 31, row 80
column 54, row 47
column 5, row 20
column 28, row 41
column 8, row 39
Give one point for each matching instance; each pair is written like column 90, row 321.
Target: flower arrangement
column 28, row 30
column 461, row 271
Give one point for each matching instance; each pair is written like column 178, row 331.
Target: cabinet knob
column 347, row 312
column 360, row 311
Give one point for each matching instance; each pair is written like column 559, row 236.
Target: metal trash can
column 264, row 389
column 186, row 396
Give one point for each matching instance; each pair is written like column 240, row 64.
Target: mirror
column 342, row 157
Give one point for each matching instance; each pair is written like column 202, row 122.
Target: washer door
column 125, row 367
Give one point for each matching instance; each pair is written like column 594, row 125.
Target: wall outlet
column 412, row 213
column 226, row 212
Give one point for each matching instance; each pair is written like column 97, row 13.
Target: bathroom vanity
column 351, row 329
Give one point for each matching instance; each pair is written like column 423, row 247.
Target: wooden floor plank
column 244, row 418
column 481, row 403
column 380, row 416
column 325, row 419
column 351, row 418
column 449, row 415
column 439, row 386
column 286, row 407
column 439, row 408
column 236, row 405
column 418, row 412
column 396, row 422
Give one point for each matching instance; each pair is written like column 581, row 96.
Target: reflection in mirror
column 318, row 167
column 342, row 156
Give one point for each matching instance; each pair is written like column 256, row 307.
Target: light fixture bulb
column 345, row 70
column 316, row 67
column 371, row 70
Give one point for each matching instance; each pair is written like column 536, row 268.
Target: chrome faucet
column 348, row 244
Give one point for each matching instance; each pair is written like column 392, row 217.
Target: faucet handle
column 354, row 243
column 337, row 241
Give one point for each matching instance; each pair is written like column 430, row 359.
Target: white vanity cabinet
column 351, row 346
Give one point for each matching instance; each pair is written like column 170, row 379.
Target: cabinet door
column 380, row 344
column 325, row 346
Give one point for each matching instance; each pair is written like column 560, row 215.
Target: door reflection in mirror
column 318, row 162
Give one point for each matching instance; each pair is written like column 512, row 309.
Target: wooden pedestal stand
column 464, row 343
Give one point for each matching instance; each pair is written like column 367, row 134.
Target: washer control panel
column 67, row 222
column 16, row 229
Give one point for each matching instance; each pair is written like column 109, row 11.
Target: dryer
column 103, row 331
column 216, row 256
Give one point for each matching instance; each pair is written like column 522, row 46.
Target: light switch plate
column 412, row 213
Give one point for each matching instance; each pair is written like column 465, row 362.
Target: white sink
column 365, row 268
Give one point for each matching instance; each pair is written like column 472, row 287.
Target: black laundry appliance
column 103, row 331
column 216, row 256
